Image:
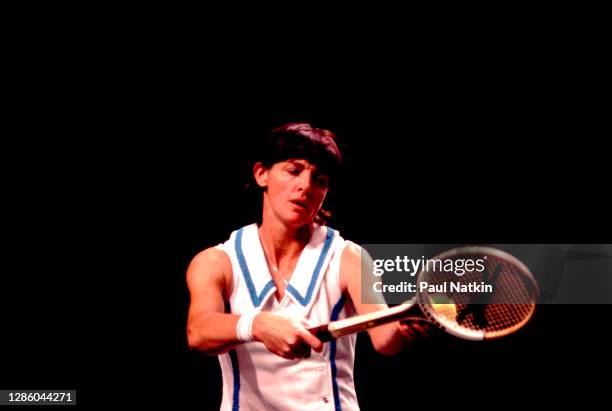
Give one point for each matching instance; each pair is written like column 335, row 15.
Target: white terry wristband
column 244, row 328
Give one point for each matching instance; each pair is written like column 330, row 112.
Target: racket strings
column 508, row 306
column 495, row 317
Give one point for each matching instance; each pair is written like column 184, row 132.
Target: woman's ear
column 260, row 172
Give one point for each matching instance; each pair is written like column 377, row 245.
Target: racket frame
column 339, row 328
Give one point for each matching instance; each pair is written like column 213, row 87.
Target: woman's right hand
column 284, row 336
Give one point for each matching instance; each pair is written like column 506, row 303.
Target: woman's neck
column 281, row 241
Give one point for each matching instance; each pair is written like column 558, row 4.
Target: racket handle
column 321, row 332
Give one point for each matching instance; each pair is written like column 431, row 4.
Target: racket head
column 479, row 316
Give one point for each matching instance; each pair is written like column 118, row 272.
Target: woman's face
column 296, row 190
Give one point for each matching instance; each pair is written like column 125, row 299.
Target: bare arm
column 211, row 331
column 386, row 339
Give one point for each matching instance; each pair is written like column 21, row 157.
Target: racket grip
column 321, row 332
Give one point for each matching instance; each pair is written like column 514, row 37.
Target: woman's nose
column 305, row 181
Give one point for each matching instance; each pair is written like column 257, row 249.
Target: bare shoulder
column 353, row 256
column 208, row 268
column 351, row 253
column 210, row 258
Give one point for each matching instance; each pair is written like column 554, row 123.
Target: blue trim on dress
column 332, row 353
column 256, row 299
column 236, row 371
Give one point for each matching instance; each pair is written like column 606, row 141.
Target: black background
column 118, row 170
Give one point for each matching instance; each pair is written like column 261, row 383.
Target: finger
column 311, row 340
column 407, row 332
column 415, row 332
column 406, row 329
column 420, row 329
column 417, row 324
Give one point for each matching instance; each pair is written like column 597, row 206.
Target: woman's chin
column 298, row 219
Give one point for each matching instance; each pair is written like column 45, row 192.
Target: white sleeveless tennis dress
column 256, row 379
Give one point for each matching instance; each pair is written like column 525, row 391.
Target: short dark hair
column 301, row 140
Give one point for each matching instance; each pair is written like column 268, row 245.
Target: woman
column 253, row 297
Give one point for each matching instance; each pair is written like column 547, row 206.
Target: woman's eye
column 294, row 171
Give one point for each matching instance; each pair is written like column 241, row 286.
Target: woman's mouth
column 300, row 203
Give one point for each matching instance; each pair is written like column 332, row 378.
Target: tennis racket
column 459, row 312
